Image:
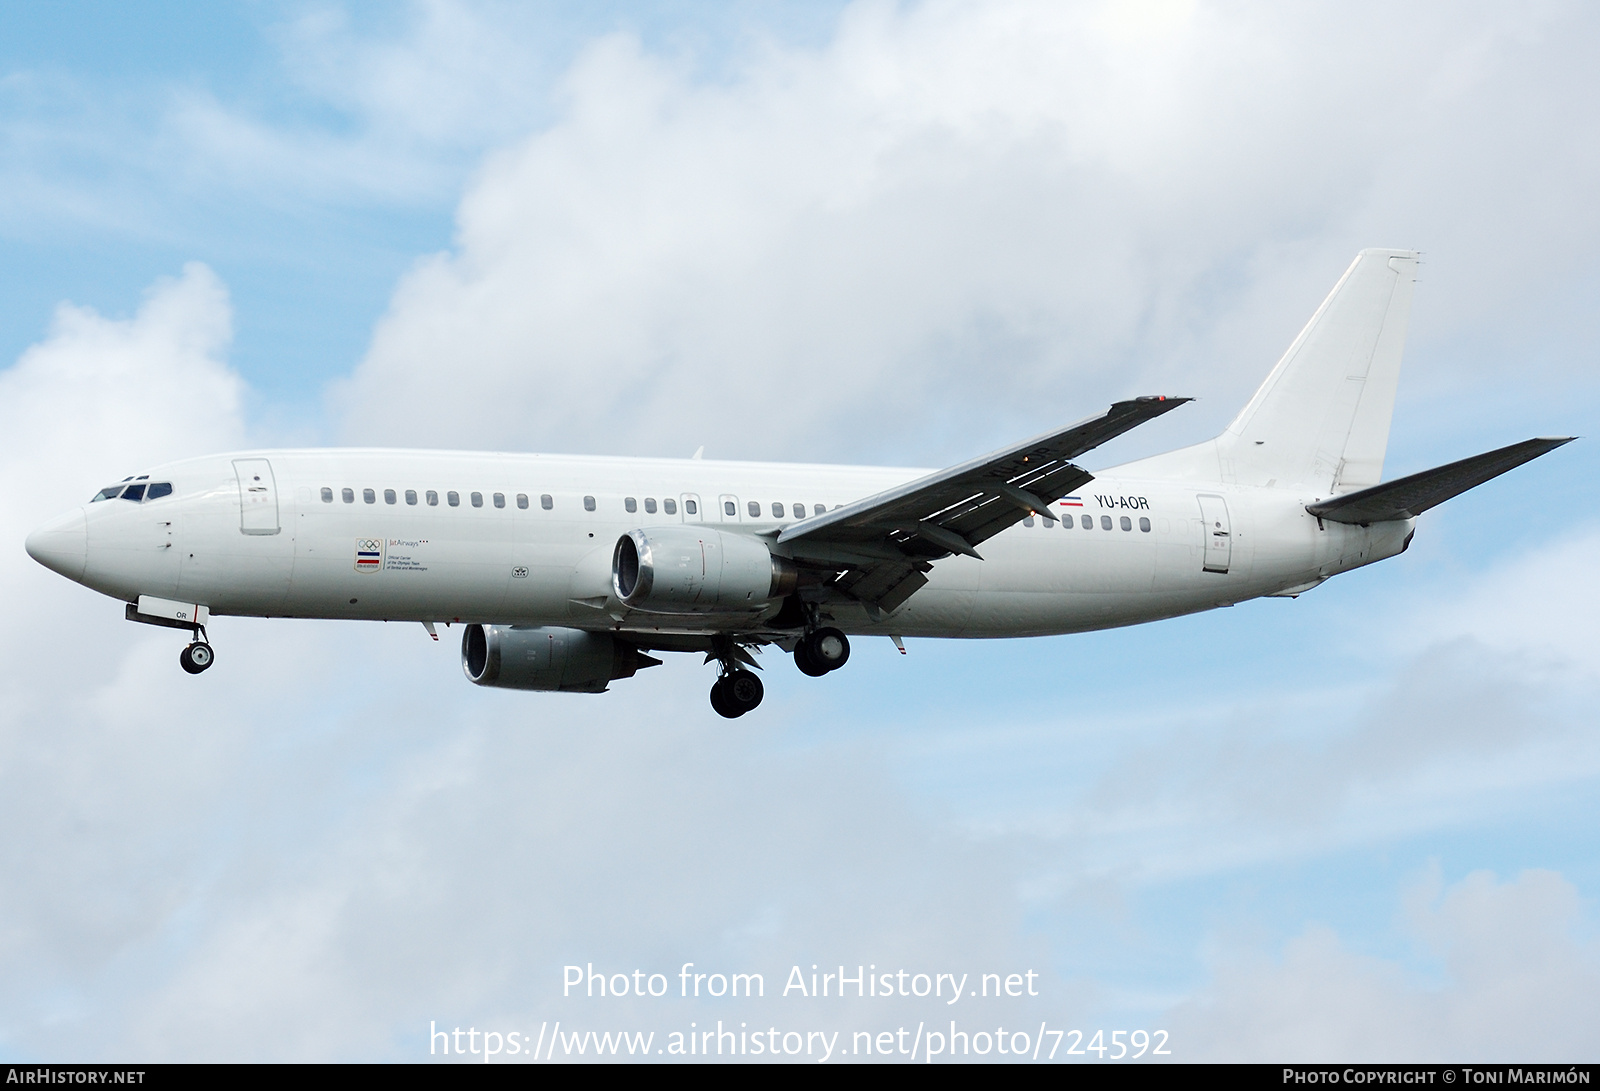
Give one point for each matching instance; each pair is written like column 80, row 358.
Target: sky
column 1357, row 825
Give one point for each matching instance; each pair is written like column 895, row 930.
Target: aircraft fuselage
column 529, row 541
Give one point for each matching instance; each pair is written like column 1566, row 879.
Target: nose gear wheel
column 197, row 657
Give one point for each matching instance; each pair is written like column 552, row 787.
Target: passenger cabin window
column 134, row 493
column 1066, row 522
column 670, row 506
column 1127, row 524
column 411, row 496
column 477, row 499
column 453, row 498
column 689, row 507
column 369, row 496
column 799, row 511
column 777, row 510
column 728, row 508
column 1105, row 522
column 432, row 498
column 164, row 488
column 499, row 499
column 522, row 501
column 650, row 505
column 327, row 496
column 1144, row 524
column 347, row 495
column 1027, row 521
column 588, row 503
column 388, row 496
column 546, row 501
column 755, row 509
column 630, row 504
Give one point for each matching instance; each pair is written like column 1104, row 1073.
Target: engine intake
column 697, row 570
column 547, row 658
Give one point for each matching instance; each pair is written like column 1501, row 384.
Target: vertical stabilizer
column 1322, row 417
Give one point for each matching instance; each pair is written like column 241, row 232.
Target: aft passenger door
column 1218, row 534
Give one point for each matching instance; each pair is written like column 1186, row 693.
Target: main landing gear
column 198, row 656
column 737, row 690
column 821, row 651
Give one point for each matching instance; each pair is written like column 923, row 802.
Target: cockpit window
column 135, row 492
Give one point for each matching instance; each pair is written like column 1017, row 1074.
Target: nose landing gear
column 198, row 656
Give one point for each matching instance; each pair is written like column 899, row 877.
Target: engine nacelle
column 697, row 570
column 547, row 658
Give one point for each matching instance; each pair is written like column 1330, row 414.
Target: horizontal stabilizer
column 1408, row 497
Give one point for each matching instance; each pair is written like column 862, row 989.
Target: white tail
column 1321, row 419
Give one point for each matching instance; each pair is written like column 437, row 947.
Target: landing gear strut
column 821, row 651
column 198, row 656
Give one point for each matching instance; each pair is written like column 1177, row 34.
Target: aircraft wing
column 1408, row 497
column 883, row 546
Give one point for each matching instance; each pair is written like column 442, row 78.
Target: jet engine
column 547, row 658
column 697, row 570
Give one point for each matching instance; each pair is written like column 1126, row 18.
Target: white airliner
column 567, row 571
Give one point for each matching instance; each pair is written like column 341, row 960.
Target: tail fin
column 1322, row 417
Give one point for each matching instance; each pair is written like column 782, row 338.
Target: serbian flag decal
column 369, row 554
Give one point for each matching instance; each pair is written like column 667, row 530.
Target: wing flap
column 1408, row 497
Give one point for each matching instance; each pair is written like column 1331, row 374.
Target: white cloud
column 1452, row 702
column 449, row 75
column 1538, row 609
column 89, row 739
column 101, row 397
column 495, row 852
column 992, row 215
column 1520, row 982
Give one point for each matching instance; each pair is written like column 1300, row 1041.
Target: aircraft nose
column 61, row 545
